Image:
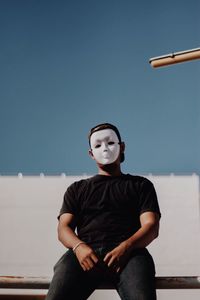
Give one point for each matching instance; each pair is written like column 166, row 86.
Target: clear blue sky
column 67, row 65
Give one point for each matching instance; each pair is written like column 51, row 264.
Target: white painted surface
column 28, row 219
column 177, row 251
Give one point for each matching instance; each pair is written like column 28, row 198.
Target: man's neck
column 110, row 170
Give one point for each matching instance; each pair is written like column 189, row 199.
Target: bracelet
column 76, row 246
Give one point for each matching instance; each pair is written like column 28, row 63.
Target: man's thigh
column 70, row 282
column 137, row 279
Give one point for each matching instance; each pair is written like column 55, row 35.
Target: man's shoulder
column 77, row 184
column 139, row 180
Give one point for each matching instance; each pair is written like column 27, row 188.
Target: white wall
column 177, row 251
column 28, row 219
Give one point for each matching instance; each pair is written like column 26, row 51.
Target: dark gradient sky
column 68, row 65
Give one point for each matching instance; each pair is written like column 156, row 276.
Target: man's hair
column 107, row 126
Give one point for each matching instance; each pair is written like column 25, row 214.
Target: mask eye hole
column 111, row 143
column 97, row 146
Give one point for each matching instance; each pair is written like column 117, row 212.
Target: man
column 106, row 222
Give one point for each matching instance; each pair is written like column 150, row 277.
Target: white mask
column 105, row 146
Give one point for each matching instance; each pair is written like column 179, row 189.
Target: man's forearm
column 68, row 237
column 143, row 237
column 85, row 255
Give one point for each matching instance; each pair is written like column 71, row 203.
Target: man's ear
column 90, row 153
column 122, row 147
column 122, row 150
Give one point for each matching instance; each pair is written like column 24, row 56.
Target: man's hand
column 86, row 257
column 118, row 257
column 148, row 231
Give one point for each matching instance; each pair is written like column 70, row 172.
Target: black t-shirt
column 107, row 208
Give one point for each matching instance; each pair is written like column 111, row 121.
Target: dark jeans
column 136, row 281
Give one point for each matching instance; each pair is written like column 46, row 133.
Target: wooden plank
column 189, row 282
column 22, row 297
column 174, row 282
column 18, row 282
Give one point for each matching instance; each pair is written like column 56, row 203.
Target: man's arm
column 147, row 233
column 143, row 237
column 69, row 239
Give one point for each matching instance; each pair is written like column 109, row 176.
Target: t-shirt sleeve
column 70, row 202
column 148, row 198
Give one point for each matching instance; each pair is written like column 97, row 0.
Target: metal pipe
column 174, row 58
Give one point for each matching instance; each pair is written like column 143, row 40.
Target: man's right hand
column 86, row 257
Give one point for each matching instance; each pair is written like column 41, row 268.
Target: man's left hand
column 118, row 257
